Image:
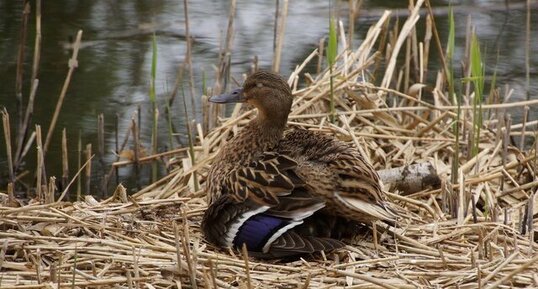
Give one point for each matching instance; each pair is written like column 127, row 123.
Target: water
column 114, row 64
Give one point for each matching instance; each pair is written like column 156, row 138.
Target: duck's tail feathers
column 380, row 211
column 291, row 244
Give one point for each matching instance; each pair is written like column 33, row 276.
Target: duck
column 284, row 192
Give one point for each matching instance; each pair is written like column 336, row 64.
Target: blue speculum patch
column 257, row 230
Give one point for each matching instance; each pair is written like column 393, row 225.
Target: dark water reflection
column 114, row 65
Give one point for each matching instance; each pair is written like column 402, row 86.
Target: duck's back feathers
column 263, row 180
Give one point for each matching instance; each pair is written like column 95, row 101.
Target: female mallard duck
column 285, row 193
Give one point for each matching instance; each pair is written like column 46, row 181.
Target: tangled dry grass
column 476, row 232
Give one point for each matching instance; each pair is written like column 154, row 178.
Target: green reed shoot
column 456, row 98
column 153, row 100
column 332, row 49
column 477, row 77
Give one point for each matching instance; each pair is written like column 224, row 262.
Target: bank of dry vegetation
column 474, row 231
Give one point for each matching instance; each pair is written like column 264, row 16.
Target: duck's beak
column 235, row 95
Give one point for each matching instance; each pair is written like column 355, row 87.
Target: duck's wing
column 264, row 181
column 260, row 205
column 346, row 177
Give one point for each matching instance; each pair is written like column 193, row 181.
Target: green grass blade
column 332, row 49
column 153, row 100
column 452, row 95
column 332, row 46
column 450, row 51
column 152, row 96
column 477, row 77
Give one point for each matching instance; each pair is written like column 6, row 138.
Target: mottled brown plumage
column 269, row 187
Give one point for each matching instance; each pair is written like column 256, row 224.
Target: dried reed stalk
column 73, row 64
column 7, row 138
column 281, row 16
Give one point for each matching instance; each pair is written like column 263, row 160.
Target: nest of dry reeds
column 475, row 231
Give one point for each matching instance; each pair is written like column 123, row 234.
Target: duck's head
column 266, row 91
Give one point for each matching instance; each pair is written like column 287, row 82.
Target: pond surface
column 114, row 70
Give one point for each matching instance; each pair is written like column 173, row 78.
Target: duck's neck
column 268, row 131
column 258, row 136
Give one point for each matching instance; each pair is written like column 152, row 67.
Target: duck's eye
column 259, row 84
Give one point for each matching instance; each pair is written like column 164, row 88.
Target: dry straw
column 465, row 235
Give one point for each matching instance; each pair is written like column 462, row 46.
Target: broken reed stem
column 72, row 64
column 440, row 50
column 7, row 138
column 11, row 200
column 247, row 266
column 427, row 41
column 79, row 164
column 136, row 151
column 281, row 17
column 321, row 51
column 188, row 56
column 513, row 273
column 414, row 53
column 136, row 257
column 20, row 62
column 461, row 198
column 117, row 146
column 275, row 26
column 528, row 50
column 178, row 250
column 76, row 177
column 530, row 221
column 101, row 152
column 23, row 121
column 404, row 33
column 37, row 43
column 191, row 142
column 40, row 163
column 142, row 160
column 223, row 71
column 101, row 139
column 354, row 6
column 363, row 277
column 407, row 62
column 65, row 159
column 87, row 186
column 213, row 269
column 114, row 169
column 506, row 140
column 23, row 131
column 225, row 54
column 523, row 128
column 186, row 250
column 51, row 190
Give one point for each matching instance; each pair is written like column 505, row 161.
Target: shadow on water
column 114, row 64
